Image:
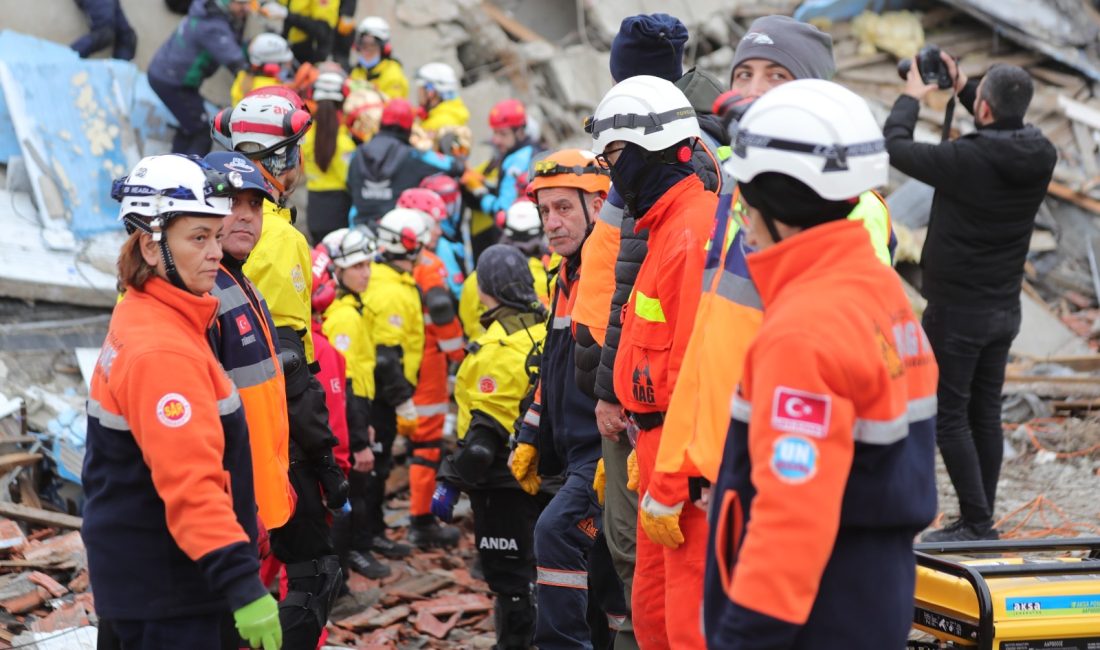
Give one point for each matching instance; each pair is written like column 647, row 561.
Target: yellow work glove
column 599, row 482
column 661, row 523
column 632, row 471
column 525, row 465
column 258, row 623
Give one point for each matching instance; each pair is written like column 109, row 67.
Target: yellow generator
column 1009, row 595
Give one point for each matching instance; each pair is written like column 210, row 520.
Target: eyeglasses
column 604, row 157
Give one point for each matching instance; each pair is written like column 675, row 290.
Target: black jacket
column 989, row 185
column 384, row 167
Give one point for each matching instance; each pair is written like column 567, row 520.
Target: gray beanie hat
column 799, row 47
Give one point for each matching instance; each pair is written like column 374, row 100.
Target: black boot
column 386, row 547
column 515, row 621
column 366, row 565
column 425, row 532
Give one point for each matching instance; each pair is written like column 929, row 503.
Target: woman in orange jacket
column 170, row 519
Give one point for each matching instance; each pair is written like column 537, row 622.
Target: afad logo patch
column 796, row 411
column 487, row 384
column 173, row 410
column 794, row 459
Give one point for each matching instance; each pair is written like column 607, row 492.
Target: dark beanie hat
column 799, row 47
column 649, row 44
column 503, row 273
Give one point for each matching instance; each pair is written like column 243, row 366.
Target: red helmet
column 445, row 186
column 324, row 286
column 424, row 200
column 509, row 113
column 284, row 92
column 398, row 112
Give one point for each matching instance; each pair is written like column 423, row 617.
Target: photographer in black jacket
column 989, row 185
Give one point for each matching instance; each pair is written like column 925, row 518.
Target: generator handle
column 981, row 590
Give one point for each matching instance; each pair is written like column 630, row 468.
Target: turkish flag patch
column 243, row 326
column 796, row 411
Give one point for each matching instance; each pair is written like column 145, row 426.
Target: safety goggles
column 651, row 122
column 548, row 167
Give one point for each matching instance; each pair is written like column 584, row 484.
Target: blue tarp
column 87, row 119
column 840, row 10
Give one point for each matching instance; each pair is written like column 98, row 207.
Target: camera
column 931, row 66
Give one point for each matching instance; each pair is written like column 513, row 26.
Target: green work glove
column 258, row 623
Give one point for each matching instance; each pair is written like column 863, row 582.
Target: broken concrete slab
column 1042, row 334
column 579, row 77
column 607, row 15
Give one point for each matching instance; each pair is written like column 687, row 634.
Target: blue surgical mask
column 369, row 63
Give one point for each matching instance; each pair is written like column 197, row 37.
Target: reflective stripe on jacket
column 170, row 516
column 832, row 441
column 248, row 351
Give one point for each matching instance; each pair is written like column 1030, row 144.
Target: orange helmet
column 574, row 168
column 506, row 114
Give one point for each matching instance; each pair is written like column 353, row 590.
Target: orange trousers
column 426, row 447
column 667, row 600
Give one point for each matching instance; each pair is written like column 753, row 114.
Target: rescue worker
column 352, row 253
column 646, row 130
column 697, row 418
column 268, row 129
column 451, row 247
column 491, row 389
column 829, row 467
column 208, row 38
column 395, row 316
column 373, row 59
column 443, row 344
column 308, row 25
column 362, row 112
column 169, row 520
column 246, row 345
column 387, row 165
column 508, row 121
column 522, row 229
column 327, row 149
column 558, row 434
column 437, row 95
column 270, row 63
column 109, row 29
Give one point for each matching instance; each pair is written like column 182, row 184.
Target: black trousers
column 971, row 347
column 368, row 490
column 504, row 532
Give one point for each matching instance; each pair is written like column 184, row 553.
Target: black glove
column 333, row 482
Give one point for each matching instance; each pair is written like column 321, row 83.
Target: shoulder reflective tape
column 887, row 432
column 428, row 410
column 611, row 215
column 563, row 578
column 254, row 374
column 616, row 621
column 740, row 409
column 229, row 298
column 739, row 290
column 450, row 345
column 106, row 418
column 532, row 418
column 562, row 322
column 229, row 404
column 648, row 308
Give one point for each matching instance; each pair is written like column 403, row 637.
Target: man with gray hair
column 989, row 185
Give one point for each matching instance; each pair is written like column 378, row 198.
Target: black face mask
column 642, row 177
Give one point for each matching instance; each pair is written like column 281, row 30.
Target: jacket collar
column 388, row 273
column 815, row 251
column 660, row 212
column 198, row 311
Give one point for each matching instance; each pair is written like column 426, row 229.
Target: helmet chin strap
column 155, row 229
column 279, row 187
column 170, row 269
column 772, row 230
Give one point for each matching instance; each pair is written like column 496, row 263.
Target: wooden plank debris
column 39, row 516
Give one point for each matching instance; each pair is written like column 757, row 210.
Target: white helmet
column 348, row 247
column 815, row 131
column 402, row 232
column 373, row 26
column 522, row 222
column 269, row 48
column 649, row 111
column 264, row 124
column 329, row 85
column 161, row 187
column 439, row 77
